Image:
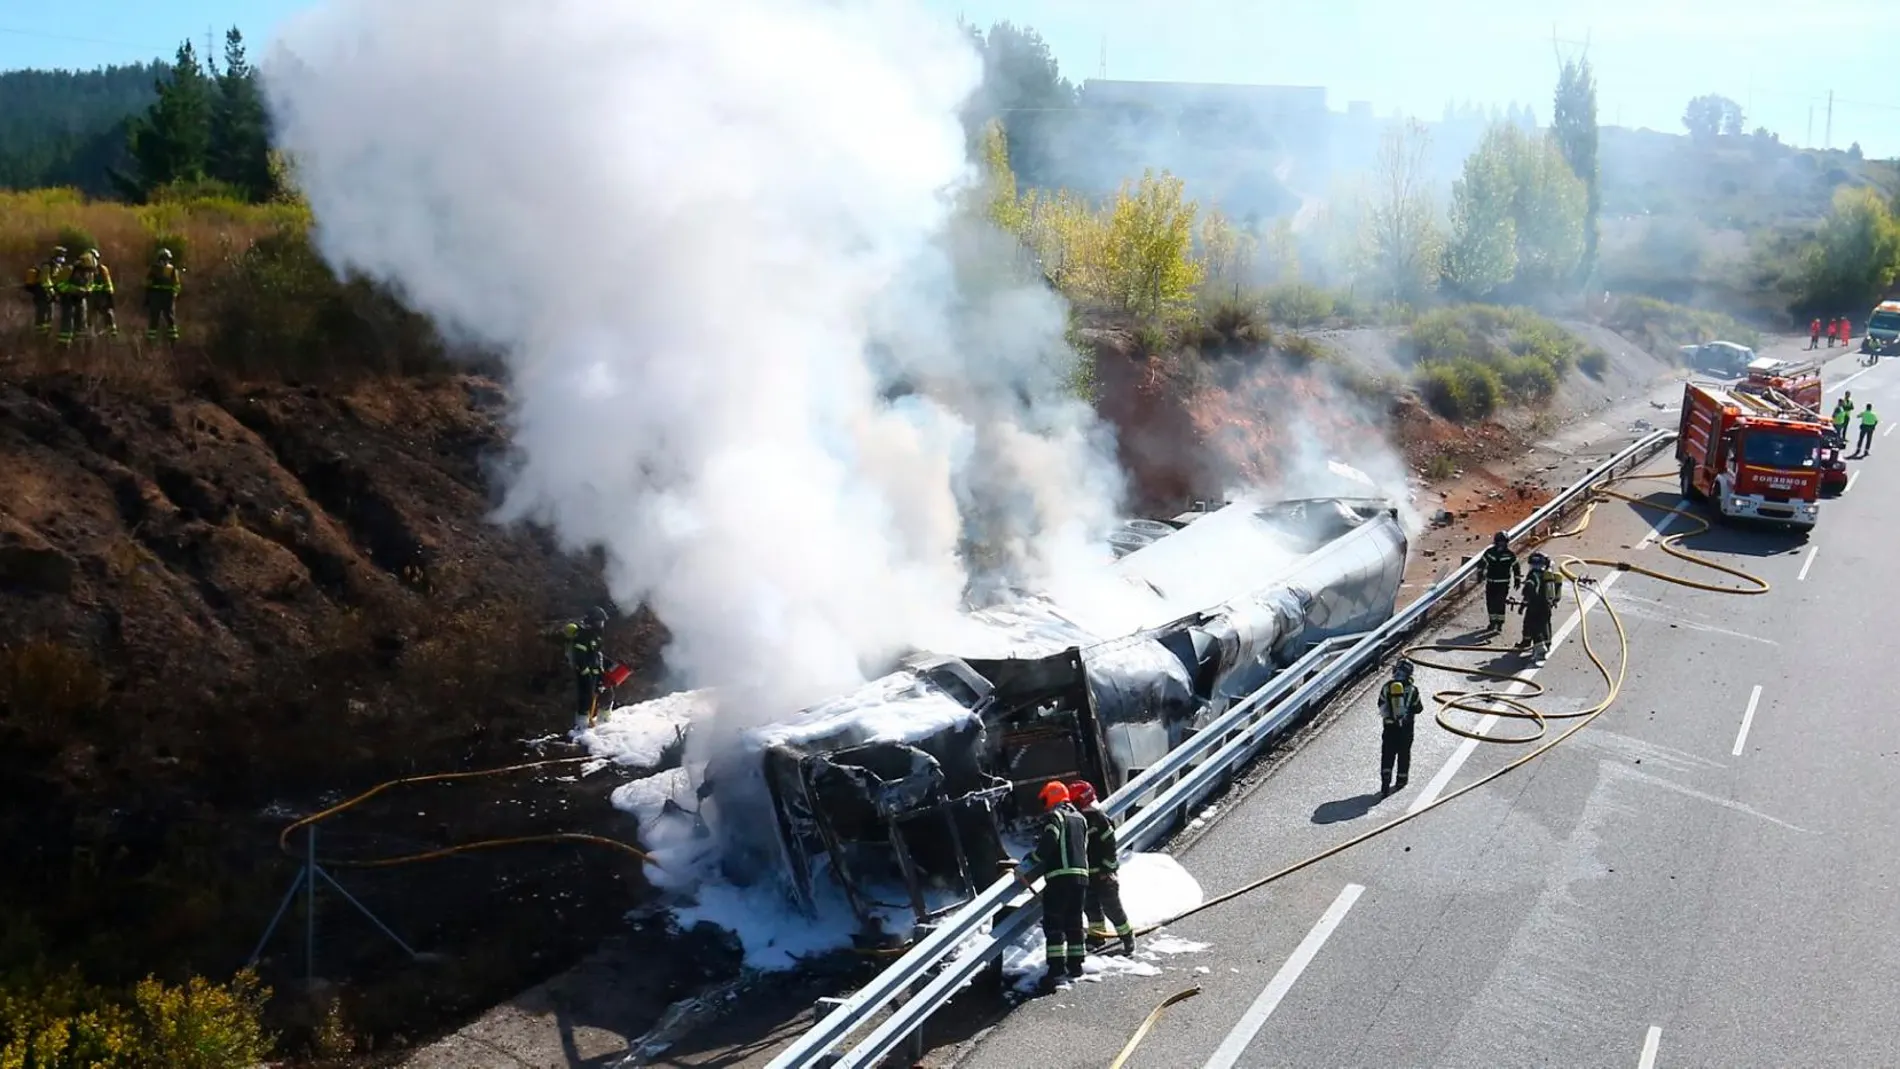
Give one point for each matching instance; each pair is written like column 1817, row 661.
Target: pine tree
column 1573, row 122
column 240, row 142
column 172, row 141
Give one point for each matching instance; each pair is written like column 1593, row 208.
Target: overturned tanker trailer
column 909, row 787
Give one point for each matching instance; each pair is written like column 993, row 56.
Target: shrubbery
column 1662, row 327
column 1470, row 356
column 59, row 1021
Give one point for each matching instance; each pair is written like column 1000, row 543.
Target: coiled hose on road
column 1502, row 702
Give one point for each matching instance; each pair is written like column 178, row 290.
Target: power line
column 69, row 37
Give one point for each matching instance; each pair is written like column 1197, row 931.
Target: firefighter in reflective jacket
column 1061, row 858
column 39, row 289
column 1399, row 706
column 1102, row 903
column 1501, row 573
column 105, row 296
column 73, row 285
column 1543, row 588
column 585, row 656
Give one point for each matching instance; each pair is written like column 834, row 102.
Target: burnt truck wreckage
column 909, row 787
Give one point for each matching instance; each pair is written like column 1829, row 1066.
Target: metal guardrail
column 957, row 949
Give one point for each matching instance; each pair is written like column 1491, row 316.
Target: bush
column 1528, row 379
column 1460, row 390
column 76, row 240
column 1229, row 324
column 1526, row 354
column 1301, row 350
column 1663, row 328
column 1298, row 304
column 59, row 1021
column 1594, row 363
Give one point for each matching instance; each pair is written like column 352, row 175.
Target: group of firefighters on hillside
column 78, row 292
column 1838, row 331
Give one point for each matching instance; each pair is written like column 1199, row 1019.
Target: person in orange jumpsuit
column 1814, row 334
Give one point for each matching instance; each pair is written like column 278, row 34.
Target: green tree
column 1711, row 115
column 1404, row 245
column 1150, row 246
column 172, row 140
column 1550, row 206
column 1000, row 202
column 1481, row 255
column 1574, row 124
column 68, row 128
column 1855, row 254
column 239, row 148
column 1023, row 88
column 1227, row 253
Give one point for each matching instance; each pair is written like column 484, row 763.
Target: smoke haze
column 756, row 357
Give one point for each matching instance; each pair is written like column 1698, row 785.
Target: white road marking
column 1850, row 482
column 1889, row 429
column 1650, row 1043
column 1228, row 1053
column 1662, row 528
column 1748, row 718
column 1806, row 564
column 1843, row 383
column 1466, row 748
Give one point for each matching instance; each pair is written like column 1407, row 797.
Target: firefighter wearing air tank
column 584, row 654
column 1501, row 574
column 1399, row 706
column 1061, row 858
column 1102, row 903
column 1543, row 589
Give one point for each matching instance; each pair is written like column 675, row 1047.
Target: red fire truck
column 1751, row 453
column 1797, row 380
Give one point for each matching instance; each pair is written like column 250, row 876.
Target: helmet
column 1082, row 793
column 94, row 253
column 597, row 616
column 1538, row 560
column 1402, row 670
column 1500, row 539
column 1053, row 794
column 164, row 254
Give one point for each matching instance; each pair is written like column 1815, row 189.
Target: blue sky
column 1778, row 59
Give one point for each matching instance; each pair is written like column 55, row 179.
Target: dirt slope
column 221, row 605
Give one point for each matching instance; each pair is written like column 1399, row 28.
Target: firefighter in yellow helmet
column 73, row 286
column 39, row 289
column 162, row 284
column 103, row 298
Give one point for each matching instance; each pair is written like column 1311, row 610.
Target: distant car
column 1719, row 357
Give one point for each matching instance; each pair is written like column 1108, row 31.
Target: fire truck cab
column 1752, row 453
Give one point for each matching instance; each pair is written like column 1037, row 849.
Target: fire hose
column 283, row 838
column 1501, row 702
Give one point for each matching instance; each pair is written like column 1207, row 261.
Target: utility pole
column 1827, row 141
column 1810, row 139
column 1102, row 70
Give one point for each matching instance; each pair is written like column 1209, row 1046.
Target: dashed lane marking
column 1651, row 1043
column 1227, row 1055
column 1806, row 564
column 1748, row 719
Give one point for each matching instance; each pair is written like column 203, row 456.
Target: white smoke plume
column 756, row 357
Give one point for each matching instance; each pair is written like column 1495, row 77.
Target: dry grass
column 258, row 303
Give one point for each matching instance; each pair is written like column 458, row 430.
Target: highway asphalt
column 1706, row 875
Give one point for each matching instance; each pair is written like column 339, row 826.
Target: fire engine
column 1797, row 380
column 1751, row 452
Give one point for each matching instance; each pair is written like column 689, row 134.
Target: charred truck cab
column 1753, row 453
column 903, row 794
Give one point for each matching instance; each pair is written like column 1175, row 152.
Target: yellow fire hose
column 1503, row 704
column 283, row 839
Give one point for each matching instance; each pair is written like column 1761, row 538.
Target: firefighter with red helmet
column 1061, row 858
column 1102, row 904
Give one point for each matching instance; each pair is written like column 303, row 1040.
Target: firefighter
column 1868, row 421
column 162, row 284
column 1102, row 902
column 585, row 656
column 1399, row 706
column 103, row 296
column 1542, row 589
column 1501, row 574
column 39, row 289
column 73, row 286
column 1814, row 334
column 1061, row 857
column 1847, row 332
